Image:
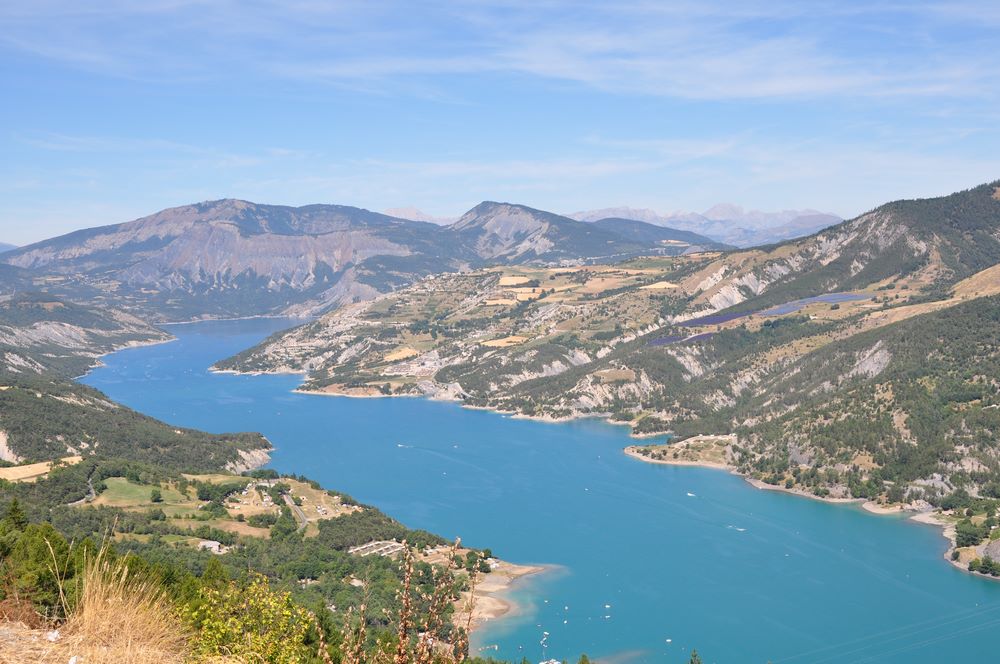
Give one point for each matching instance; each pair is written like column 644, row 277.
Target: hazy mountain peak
column 724, row 212
column 415, row 214
column 624, row 212
column 726, row 222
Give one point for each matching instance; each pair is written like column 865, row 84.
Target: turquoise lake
column 684, row 556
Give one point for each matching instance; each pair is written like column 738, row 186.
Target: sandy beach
column 491, row 599
column 876, row 508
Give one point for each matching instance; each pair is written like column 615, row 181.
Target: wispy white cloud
column 705, row 50
column 828, row 104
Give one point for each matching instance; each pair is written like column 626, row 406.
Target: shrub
column 250, row 621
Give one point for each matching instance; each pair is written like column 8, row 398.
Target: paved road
column 300, row 516
column 91, row 494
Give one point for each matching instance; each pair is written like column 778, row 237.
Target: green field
column 122, row 493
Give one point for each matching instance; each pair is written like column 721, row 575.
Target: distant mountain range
column 232, row 258
column 6, row 247
column 726, row 223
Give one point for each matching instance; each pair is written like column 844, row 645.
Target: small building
column 218, row 548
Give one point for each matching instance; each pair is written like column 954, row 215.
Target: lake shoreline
column 504, row 607
column 732, row 470
column 924, row 517
column 927, row 517
column 492, row 601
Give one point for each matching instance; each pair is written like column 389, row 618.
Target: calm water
column 683, row 556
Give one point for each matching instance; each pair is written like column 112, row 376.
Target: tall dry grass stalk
column 121, row 618
column 427, row 649
column 405, row 610
column 117, row 619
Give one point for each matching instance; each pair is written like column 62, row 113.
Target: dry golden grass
column 660, row 285
column 118, row 619
column 601, row 284
column 986, row 282
column 504, row 342
column 32, row 471
column 214, row 478
column 513, row 280
column 706, row 450
column 864, row 461
column 403, row 353
column 615, row 375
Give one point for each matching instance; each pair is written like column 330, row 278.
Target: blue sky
column 115, row 109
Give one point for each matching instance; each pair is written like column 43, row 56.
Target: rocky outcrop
column 6, row 453
column 249, row 460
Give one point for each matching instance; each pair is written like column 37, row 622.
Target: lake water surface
column 651, row 560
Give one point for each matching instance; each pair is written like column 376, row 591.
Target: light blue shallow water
column 741, row 574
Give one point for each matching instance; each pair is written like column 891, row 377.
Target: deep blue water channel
column 650, row 560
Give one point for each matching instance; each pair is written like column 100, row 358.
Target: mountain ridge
column 232, row 258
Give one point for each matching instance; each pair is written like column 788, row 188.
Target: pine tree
column 15, row 517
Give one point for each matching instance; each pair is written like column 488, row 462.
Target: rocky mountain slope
column 44, row 334
column 925, row 245
column 233, row 258
column 882, row 320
